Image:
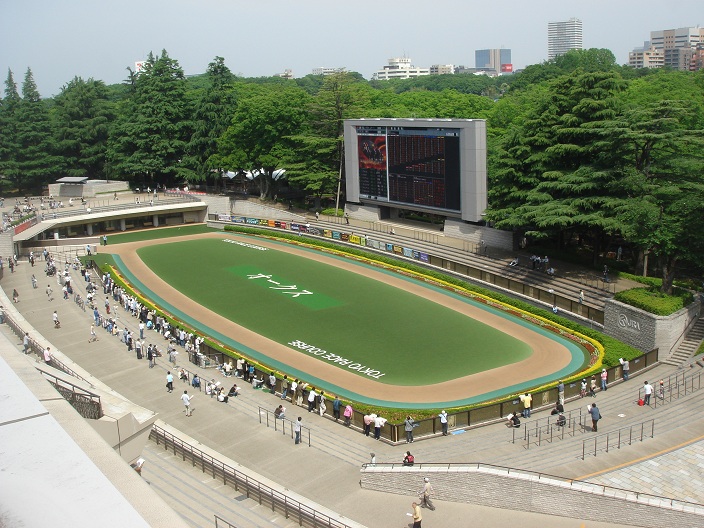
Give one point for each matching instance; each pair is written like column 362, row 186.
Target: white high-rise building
column 564, row 36
column 399, row 68
column 327, row 71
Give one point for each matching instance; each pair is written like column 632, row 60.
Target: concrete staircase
column 689, row 346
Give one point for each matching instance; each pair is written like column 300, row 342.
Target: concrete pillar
column 155, row 220
column 122, row 224
column 89, row 229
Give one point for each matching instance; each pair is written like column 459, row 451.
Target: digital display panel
column 413, row 166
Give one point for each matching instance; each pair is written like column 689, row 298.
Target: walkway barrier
column 86, row 403
column 578, row 485
column 545, row 430
column 615, row 439
column 222, row 523
column 280, row 423
column 252, row 488
column 673, row 387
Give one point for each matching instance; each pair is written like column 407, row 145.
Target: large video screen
column 414, row 166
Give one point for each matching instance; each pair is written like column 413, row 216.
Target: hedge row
column 653, row 301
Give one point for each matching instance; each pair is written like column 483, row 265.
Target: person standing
column 336, row 404
column 408, row 427
column 297, row 430
column 169, row 382
column 443, row 422
column 15, row 296
column 592, row 387
column 561, row 392
column 527, row 399
column 47, row 355
column 150, row 356
column 311, row 399
column 379, row 423
column 187, row 402
column 299, row 393
column 581, row 296
column 425, row 494
column 596, row 416
column 284, row 387
column 349, row 411
column 93, row 336
column 604, row 376
column 25, row 342
column 34, row 282
column 49, row 293
column 416, row 514
column 625, row 367
column 368, row 423
column 647, row 391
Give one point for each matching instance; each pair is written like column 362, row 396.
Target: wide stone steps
column 689, row 346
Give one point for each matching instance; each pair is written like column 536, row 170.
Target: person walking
column 186, row 399
column 425, row 494
column 443, row 422
column 596, row 416
column 34, row 282
column 297, row 430
column 55, row 318
column 169, row 382
column 416, row 514
column 15, row 296
column 49, row 293
column 47, row 355
column 93, row 336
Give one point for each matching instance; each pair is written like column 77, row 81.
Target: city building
column 673, row 48
column 564, row 36
column 442, row 69
column 496, row 60
column 646, row 57
column 399, row 68
column 327, row 71
column 287, row 74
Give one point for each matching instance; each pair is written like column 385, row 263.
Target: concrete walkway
column 328, row 472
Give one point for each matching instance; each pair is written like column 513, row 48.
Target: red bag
column 641, row 402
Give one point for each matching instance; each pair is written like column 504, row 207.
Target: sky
column 100, row 39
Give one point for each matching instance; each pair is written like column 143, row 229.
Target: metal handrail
column 672, row 389
column 280, row 423
column 620, row 439
column 540, row 476
column 219, row 521
column 236, row 478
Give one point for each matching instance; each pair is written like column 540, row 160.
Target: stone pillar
column 122, row 224
column 155, row 220
column 89, row 229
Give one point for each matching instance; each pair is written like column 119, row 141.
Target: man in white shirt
column 648, row 391
column 187, row 402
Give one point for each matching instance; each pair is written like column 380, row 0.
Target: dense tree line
column 579, row 148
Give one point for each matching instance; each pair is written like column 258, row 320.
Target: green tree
column 212, row 115
column 259, row 138
column 35, row 163
column 81, row 115
column 149, row 139
column 8, row 129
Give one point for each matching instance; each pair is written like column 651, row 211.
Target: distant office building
column 564, row 36
column 327, row 71
column 679, row 49
column 442, row 69
column 497, row 60
column 399, row 68
column 646, row 57
column 287, row 74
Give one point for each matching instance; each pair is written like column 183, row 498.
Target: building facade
column 399, row 68
column 564, row 36
column 442, row 69
column 680, row 49
column 649, row 57
column 497, row 60
column 327, row 71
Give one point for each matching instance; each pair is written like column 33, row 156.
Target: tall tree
column 82, row 114
column 35, row 163
column 8, row 129
column 259, row 138
column 212, row 116
column 149, row 140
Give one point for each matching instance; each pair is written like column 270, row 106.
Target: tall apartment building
column 564, row 36
column 497, row 60
column 399, row 68
column 679, row 49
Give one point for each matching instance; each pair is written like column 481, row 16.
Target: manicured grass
column 409, row 339
column 157, row 233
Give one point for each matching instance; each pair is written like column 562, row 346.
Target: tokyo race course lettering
column 244, row 244
column 334, row 358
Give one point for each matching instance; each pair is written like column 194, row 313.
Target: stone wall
column 367, row 213
column 259, row 210
column 90, row 189
column 493, row 238
column 496, row 487
column 646, row 331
